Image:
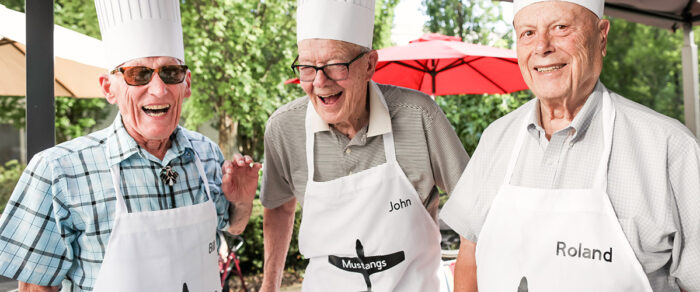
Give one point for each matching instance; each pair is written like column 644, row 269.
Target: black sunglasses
column 142, row 75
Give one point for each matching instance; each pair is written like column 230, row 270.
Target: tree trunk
column 228, row 131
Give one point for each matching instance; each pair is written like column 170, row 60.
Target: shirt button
column 347, row 151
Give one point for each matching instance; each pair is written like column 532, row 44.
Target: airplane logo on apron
column 523, row 285
column 366, row 265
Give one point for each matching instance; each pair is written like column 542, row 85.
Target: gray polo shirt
column 427, row 147
column 653, row 179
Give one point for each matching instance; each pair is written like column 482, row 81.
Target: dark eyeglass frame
column 165, row 78
column 295, row 68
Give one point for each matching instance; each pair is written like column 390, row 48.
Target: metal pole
column 690, row 80
column 40, row 78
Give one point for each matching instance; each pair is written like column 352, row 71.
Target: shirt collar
column 121, row 145
column 379, row 118
column 582, row 119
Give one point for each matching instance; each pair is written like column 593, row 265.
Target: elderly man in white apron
column 135, row 206
column 363, row 159
column 580, row 189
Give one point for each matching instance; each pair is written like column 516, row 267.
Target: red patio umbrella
column 443, row 65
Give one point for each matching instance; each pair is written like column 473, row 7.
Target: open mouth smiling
column 330, row 99
column 550, row 68
column 158, row 110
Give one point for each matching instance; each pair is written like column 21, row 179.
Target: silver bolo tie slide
column 168, row 175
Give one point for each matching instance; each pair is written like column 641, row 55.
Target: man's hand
column 240, row 179
column 239, row 182
column 26, row 287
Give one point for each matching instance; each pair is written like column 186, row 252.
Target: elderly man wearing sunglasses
column 135, row 206
column 364, row 160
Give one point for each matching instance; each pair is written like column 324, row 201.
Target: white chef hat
column 596, row 6
column 134, row 29
column 344, row 20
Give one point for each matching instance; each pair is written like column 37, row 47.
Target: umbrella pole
column 433, row 73
column 690, row 80
column 40, row 79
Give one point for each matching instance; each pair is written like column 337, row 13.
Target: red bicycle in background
column 228, row 246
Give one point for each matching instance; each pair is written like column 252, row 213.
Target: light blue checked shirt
column 57, row 223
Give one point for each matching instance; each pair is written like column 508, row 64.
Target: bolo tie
column 169, row 176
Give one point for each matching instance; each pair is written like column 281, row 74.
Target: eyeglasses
column 335, row 72
column 142, row 75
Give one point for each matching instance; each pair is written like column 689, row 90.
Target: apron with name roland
column 557, row 239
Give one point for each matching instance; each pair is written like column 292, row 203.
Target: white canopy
column 78, row 59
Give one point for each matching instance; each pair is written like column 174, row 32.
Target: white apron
column 165, row 250
column 557, row 239
column 367, row 231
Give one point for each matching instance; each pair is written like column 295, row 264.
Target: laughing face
column 343, row 102
column 560, row 47
column 149, row 112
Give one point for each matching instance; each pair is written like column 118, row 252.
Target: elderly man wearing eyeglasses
column 135, row 206
column 364, row 161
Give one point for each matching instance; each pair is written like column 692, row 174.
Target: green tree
column 383, row 23
column 239, row 53
column 644, row 64
column 474, row 22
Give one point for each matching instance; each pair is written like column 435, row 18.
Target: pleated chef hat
column 596, row 6
column 344, row 20
column 134, row 29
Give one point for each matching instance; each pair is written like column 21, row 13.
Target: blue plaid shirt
column 57, row 223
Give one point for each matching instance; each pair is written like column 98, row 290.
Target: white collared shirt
column 653, row 179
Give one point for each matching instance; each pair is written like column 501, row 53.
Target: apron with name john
column 557, row 239
column 367, row 231
column 165, row 250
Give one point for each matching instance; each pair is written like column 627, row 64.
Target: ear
column 372, row 63
column 604, row 28
column 106, row 86
column 188, row 84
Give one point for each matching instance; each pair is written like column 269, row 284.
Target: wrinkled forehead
column 310, row 50
column 550, row 12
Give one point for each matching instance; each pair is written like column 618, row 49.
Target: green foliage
column 471, row 114
column 9, row 175
column 239, row 53
column 12, row 111
column 383, row 22
column 252, row 252
column 644, row 64
column 17, row 5
column 74, row 117
column 473, row 21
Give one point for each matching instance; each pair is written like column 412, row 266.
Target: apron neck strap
column 120, row 207
column 601, row 176
column 388, row 139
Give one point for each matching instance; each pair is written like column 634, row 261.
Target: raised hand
column 239, row 182
column 240, row 179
